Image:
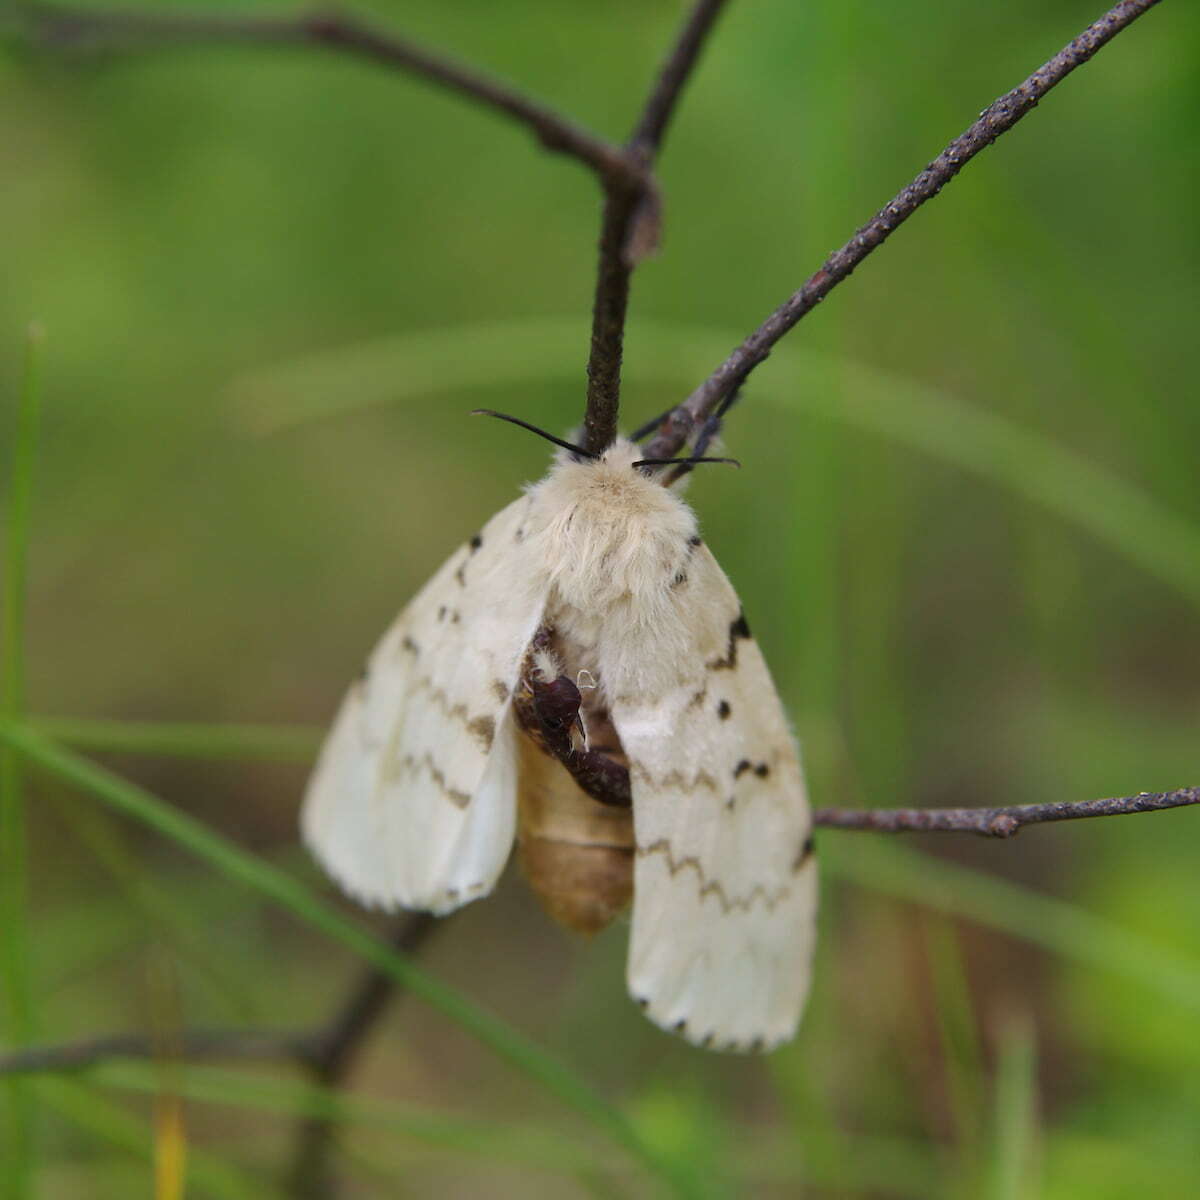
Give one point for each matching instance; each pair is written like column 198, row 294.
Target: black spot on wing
column 409, row 646
column 806, row 852
column 461, row 572
column 723, row 710
column 695, row 540
column 761, row 769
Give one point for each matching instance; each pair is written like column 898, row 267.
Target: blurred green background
column 967, row 533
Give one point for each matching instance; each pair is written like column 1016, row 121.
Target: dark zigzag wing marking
column 403, row 808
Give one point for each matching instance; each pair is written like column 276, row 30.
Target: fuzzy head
column 609, row 532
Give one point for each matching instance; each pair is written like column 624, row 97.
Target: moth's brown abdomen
column 582, row 887
column 576, row 853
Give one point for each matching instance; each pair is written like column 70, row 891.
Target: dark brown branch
column 613, row 272
column 333, row 1051
column 630, row 228
column 63, row 29
column 674, row 74
column 631, row 221
column 996, row 119
column 997, row 822
column 329, row 1052
column 551, row 711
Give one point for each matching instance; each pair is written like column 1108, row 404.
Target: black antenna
column 489, row 412
column 691, row 462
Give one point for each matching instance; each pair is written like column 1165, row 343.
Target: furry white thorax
column 610, row 539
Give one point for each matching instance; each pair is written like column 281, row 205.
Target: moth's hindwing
column 724, row 881
column 413, row 801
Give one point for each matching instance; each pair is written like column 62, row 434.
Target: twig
column 998, row 822
column 996, row 119
column 613, row 271
column 328, row 1053
column 630, row 227
column 64, row 29
column 674, row 73
column 552, row 711
column 632, row 206
column 194, row 1044
column 332, row 1053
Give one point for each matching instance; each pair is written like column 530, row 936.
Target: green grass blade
column 18, row 1024
column 173, row 919
column 448, row 360
column 109, row 1123
column 204, row 1084
column 1115, row 513
column 351, row 379
column 882, row 865
column 1015, row 1110
column 292, row 895
column 177, row 739
column 16, row 549
column 959, row 1035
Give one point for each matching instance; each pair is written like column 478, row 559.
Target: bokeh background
column 967, row 533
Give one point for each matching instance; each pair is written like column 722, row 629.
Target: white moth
column 434, row 764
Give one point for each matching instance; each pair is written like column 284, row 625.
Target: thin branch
column 64, row 29
column 613, row 271
column 630, row 227
column 998, row 822
column 674, row 74
column 192, row 1044
column 551, row 712
column 328, row 1053
column 333, row 1051
column 996, row 119
column 632, row 206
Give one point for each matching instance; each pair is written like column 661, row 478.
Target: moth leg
column 549, row 712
